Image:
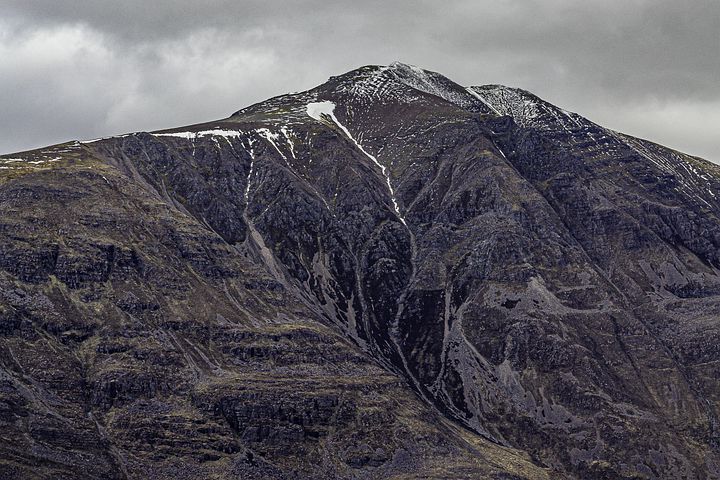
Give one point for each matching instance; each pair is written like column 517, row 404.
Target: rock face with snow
column 388, row 276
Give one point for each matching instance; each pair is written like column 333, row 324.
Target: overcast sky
column 72, row 69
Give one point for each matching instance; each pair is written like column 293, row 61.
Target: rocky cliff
column 388, row 276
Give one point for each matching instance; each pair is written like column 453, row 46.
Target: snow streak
column 319, row 110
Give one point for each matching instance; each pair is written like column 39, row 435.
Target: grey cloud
column 81, row 69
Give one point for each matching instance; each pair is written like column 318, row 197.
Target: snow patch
column 317, row 109
column 26, row 161
column 203, row 133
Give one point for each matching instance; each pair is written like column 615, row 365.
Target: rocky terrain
column 388, row 276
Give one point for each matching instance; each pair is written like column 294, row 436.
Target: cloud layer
column 78, row 69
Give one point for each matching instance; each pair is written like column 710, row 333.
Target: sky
column 80, row 69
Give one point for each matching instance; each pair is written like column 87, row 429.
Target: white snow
column 429, row 82
column 513, row 102
column 482, row 99
column 193, row 135
column 272, row 138
column 12, row 163
column 404, row 83
column 689, row 182
column 285, row 133
column 317, row 109
column 571, row 116
column 250, row 172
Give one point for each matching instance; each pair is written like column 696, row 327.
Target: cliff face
column 389, row 275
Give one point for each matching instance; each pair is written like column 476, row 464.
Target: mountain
column 387, row 276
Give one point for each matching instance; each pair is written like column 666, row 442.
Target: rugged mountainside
column 388, row 276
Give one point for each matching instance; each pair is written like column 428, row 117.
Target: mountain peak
column 526, row 108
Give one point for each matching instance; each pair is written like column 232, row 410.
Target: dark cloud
column 81, row 69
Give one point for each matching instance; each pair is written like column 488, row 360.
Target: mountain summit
column 387, row 276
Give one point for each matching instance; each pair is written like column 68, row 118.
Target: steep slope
column 387, row 275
